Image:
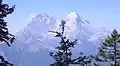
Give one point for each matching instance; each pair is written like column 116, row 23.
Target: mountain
column 34, row 42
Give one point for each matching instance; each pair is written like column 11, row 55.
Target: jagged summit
column 73, row 20
column 75, row 15
column 45, row 17
column 35, row 41
column 41, row 23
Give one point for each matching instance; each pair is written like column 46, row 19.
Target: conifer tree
column 5, row 10
column 5, row 36
column 109, row 51
column 63, row 55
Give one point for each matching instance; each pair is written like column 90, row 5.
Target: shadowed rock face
column 34, row 42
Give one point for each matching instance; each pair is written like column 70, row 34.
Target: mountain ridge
column 35, row 41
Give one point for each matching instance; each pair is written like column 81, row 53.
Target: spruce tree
column 63, row 55
column 5, row 36
column 109, row 51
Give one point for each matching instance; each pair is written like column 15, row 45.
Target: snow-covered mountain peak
column 75, row 16
column 41, row 23
column 37, row 28
column 74, row 21
column 74, row 25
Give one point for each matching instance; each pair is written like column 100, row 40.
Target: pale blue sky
column 98, row 12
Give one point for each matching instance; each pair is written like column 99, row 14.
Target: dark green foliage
column 83, row 60
column 58, row 64
column 109, row 51
column 4, row 34
column 63, row 55
column 4, row 62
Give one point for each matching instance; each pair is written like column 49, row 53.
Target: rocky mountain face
column 34, row 42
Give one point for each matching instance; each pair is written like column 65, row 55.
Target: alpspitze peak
column 74, row 21
column 75, row 16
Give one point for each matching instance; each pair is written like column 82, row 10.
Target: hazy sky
column 98, row 12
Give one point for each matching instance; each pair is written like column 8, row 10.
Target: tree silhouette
column 63, row 54
column 5, row 36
